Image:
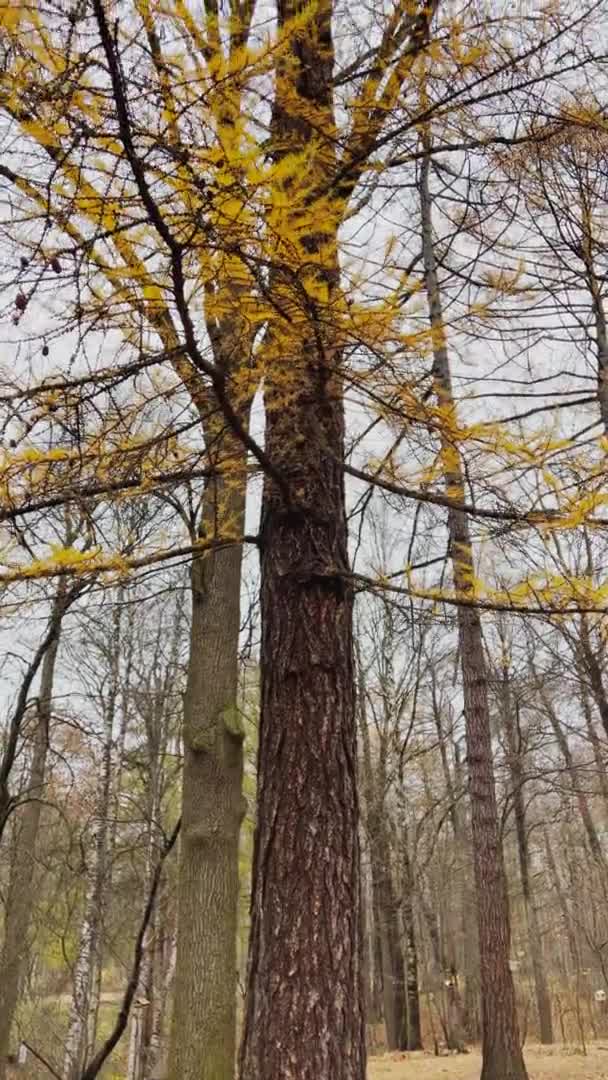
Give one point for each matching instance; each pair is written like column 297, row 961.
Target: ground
column 544, row 1063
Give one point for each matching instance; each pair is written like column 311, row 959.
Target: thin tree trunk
column 160, row 1001
column 116, row 770
column 586, row 651
column 456, row 1015
column 469, row 917
column 21, row 895
column 139, row 1019
column 535, row 941
column 203, row 1030
column 386, row 907
column 598, row 747
column 414, row 1031
column 563, row 902
column 87, row 959
column 502, row 1055
column 593, row 840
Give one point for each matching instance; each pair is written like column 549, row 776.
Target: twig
column 42, row 1060
column 94, row 1067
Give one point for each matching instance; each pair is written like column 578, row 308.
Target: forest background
column 304, row 411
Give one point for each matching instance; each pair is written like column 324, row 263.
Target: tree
column 27, row 808
column 502, row 1055
column 223, row 172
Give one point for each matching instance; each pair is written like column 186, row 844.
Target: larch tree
column 200, row 175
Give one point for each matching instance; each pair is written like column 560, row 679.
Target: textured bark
column 203, row 1030
column 510, row 717
column 304, row 1016
column 21, row 895
column 501, row 1049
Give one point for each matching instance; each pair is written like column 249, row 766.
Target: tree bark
column 304, row 1015
column 510, row 714
column 203, row 1029
column 501, row 1049
column 414, row 1031
column 21, row 895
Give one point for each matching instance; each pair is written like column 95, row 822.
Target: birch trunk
column 87, row 959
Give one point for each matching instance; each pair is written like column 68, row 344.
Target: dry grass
column 544, row 1063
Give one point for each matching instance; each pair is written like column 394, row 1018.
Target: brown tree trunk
column 502, row 1055
column 586, row 651
column 304, row 1016
column 469, row 917
column 459, row 1018
column 510, row 714
column 386, row 906
column 21, row 894
column 566, row 914
column 203, row 1031
column 593, row 840
column 414, row 1031
column 598, row 747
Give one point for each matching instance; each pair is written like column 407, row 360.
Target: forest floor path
column 544, row 1063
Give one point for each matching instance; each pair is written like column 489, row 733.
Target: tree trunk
column 535, row 941
column 304, row 1015
column 87, row 960
column 598, row 747
column 160, row 1001
column 21, row 894
column 414, row 1032
column 386, row 907
column 502, row 1055
column 586, row 651
column 469, row 917
column 566, row 914
column 593, row 840
column 203, row 1029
